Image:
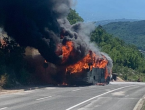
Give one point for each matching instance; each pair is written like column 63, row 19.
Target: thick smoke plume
column 41, row 24
column 38, row 24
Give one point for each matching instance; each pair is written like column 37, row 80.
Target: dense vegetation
column 130, row 32
column 74, row 17
column 128, row 62
column 12, row 64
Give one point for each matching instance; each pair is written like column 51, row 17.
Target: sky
column 96, row 10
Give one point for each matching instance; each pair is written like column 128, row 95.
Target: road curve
column 115, row 96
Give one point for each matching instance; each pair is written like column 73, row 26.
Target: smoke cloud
column 40, row 24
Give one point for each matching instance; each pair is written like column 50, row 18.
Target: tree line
column 128, row 61
column 12, row 64
column 130, row 32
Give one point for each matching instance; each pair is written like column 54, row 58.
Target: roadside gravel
column 141, row 104
column 143, row 107
column 2, row 91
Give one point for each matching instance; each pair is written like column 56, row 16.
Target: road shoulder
column 143, row 107
column 2, row 92
column 140, row 104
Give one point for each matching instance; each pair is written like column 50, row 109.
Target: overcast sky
column 95, row 10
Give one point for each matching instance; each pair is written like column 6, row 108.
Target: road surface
column 115, row 96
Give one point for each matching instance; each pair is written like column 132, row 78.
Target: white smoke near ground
column 29, row 51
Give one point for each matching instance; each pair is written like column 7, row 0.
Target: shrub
column 3, row 80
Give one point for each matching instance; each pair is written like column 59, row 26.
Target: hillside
column 104, row 22
column 128, row 62
column 130, row 32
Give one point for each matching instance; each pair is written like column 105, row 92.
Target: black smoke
column 38, row 24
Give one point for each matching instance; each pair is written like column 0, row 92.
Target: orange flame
column 90, row 61
column 66, row 50
column 45, row 61
column 65, row 84
column 3, row 43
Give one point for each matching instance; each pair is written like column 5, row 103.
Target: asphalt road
column 115, row 96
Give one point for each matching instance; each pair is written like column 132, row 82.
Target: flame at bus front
column 91, row 60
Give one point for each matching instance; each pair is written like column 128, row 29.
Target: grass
column 143, row 107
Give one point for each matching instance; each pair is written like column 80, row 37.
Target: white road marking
column 44, row 98
column 89, row 106
column 96, row 97
column 76, row 90
column 3, row 108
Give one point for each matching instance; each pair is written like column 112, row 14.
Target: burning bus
column 91, row 69
column 94, row 68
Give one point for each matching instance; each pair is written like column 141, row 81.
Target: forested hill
column 104, row 22
column 130, row 32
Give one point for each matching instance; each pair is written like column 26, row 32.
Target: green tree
column 74, row 17
column 123, row 55
column 12, row 62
